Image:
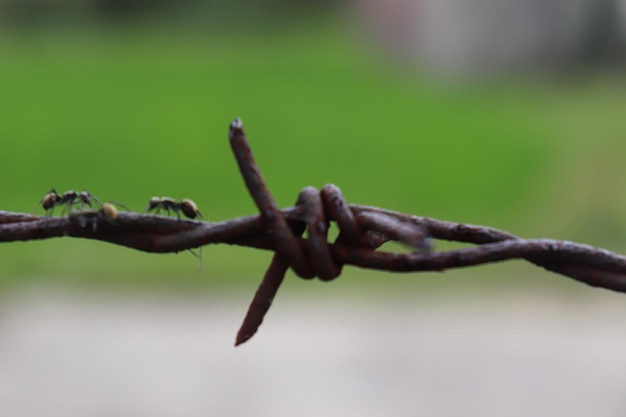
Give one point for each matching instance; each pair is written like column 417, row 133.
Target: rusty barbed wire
column 362, row 230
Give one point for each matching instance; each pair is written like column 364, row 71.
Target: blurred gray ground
column 514, row 353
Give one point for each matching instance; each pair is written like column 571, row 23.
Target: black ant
column 68, row 199
column 186, row 206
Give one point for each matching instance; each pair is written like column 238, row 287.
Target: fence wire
column 362, row 230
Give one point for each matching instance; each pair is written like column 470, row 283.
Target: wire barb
column 362, row 230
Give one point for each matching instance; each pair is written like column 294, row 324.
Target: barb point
column 236, row 124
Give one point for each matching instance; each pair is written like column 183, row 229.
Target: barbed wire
column 362, row 230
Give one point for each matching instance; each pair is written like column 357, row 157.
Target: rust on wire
column 362, row 230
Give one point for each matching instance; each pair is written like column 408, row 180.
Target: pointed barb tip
column 242, row 338
column 236, row 126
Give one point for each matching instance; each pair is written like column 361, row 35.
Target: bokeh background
column 506, row 113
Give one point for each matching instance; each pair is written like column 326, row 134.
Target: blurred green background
column 135, row 101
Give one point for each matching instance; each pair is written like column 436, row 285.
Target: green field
column 136, row 114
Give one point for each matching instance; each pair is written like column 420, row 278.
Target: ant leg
column 65, row 209
column 69, row 207
column 199, row 256
column 46, row 211
column 37, row 206
column 96, row 200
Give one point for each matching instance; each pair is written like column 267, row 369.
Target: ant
column 186, row 206
column 67, row 199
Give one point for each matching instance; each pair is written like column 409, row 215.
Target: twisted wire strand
column 556, row 256
column 362, row 230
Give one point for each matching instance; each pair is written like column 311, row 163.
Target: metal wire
column 362, row 230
